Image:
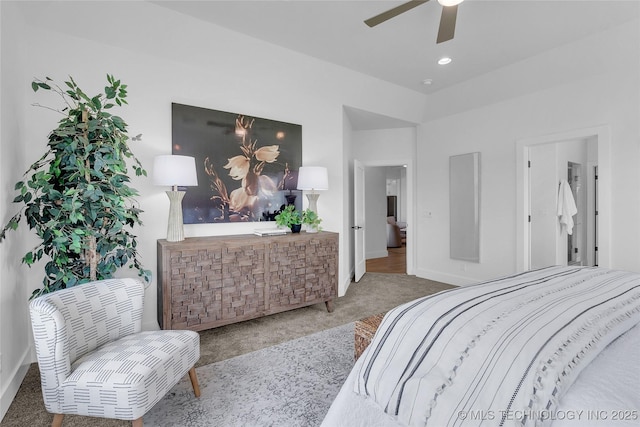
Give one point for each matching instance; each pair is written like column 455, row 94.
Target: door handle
column 356, row 227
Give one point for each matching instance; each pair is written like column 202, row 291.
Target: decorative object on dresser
column 206, row 282
column 175, row 171
column 290, row 217
column 289, row 182
column 313, row 178
column 311, row 220
column 270, row 231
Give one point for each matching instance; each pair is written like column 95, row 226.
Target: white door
column 358, row 220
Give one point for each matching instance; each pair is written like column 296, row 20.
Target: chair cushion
column 125, row 378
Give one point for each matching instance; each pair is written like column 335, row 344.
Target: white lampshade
column 313, row 178
column 175, row 171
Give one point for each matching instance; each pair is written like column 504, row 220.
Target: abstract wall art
column 247, row 166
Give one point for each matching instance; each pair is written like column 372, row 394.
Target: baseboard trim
column 450, row 279
column 10, row 389
column 377, row 254
column 342, row 290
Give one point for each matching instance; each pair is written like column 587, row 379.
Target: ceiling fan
column 447, row 20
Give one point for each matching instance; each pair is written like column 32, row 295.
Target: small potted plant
column 311, row 220
column 290, row 217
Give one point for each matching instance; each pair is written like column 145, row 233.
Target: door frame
column 359, row 227
column 411, row 208
column 603, row 136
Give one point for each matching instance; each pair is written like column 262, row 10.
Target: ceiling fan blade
column 379, row 19
column 447, row 23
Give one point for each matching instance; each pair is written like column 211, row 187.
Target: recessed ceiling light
column 444, row 61
column 427, row 82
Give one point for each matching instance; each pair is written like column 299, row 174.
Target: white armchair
column 95, row 361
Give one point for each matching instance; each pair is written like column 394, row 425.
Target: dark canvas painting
column 247, row 166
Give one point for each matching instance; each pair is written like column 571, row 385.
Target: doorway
column 380, row 258
column 592, row 239
column 557, row 177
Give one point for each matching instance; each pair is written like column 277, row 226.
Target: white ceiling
column 489, row 34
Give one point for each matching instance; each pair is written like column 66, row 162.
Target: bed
column 555, row 346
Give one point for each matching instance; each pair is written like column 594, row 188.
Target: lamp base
column 175, row 229
column 313, row 201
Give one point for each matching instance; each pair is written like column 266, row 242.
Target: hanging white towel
column 566, row 207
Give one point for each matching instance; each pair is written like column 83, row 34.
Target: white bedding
column 606, row 389
column 593, row 400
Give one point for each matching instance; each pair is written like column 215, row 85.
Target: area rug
column 289, row 384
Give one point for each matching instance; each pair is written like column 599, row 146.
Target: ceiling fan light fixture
column 444, row 61
column 447, row 3
column 447, row 26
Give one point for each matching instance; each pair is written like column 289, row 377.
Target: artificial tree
column 76, row 196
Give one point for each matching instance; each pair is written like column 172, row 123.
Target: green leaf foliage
column 288, row 216
column 76, row 197
column 312, row 219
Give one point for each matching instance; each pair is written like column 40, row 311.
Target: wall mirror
column 464, row 207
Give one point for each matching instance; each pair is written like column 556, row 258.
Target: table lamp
column 175, row 171
column 313, row 178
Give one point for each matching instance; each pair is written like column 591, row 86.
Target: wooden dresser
column 205, row 282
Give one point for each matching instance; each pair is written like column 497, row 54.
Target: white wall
column 15, row 288
column 166, row 57
column 385, row 147
column 605, row 94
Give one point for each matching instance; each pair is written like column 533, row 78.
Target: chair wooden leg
column 137, row 422
column 57, row 420
column 194, row 381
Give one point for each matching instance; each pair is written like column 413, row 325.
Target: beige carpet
column 375, row 293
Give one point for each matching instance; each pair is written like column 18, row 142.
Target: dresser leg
column 329, row 305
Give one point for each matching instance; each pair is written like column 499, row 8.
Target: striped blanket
column 499, row 353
